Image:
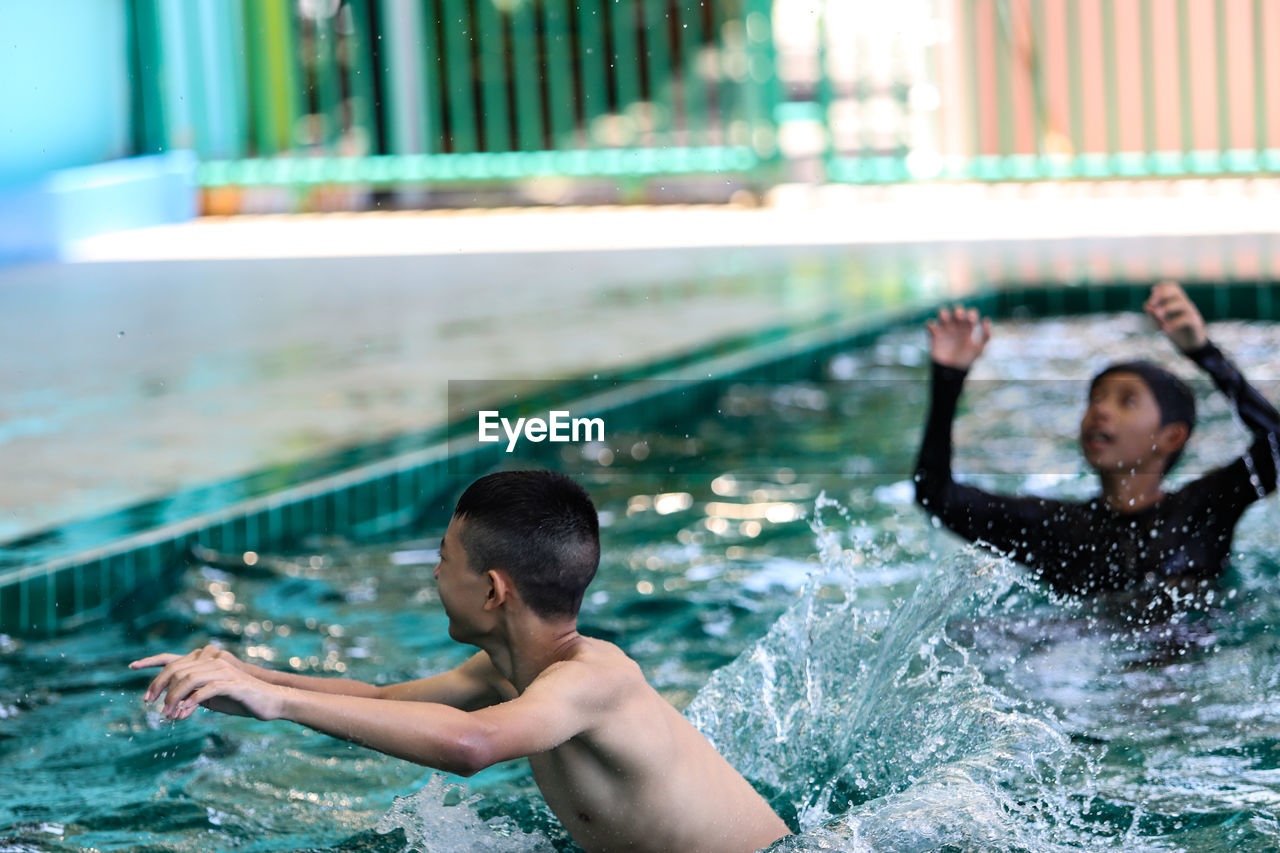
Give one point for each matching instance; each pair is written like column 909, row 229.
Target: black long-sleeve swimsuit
column 1183, row 540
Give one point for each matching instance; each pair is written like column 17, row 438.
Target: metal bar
column 626, row 65
column 217, row 115
column 456, row 24
column 237, row 64
column 399, row 129
column 281, row 95
column 824, row 93
column 695, row 98
column 1260, row 118
column 560, row 94
column 975, row 80
column 591, row 60
column 328, row 87
column 1075, row 81
column 294, row 80
column 772, row 83
column 658, row 61
column 1038, row 36
column 1223, row 76
column 360, row 73
column 1148, row 60
column 493, row 73
column 527, row 71
column 1186, row 103
column 751, row 96
column 936, row 74
column 256, row 50
column 195, row 92
column 1110, row 86
column 1002, row 28
column 726, row 93
column 152, row 130
column 433, row 110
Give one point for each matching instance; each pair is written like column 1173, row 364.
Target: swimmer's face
column 462, row 590
column 1121, row 429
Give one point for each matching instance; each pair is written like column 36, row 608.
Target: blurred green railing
column 1034, row 89
column 389, row 92
column 394, row 92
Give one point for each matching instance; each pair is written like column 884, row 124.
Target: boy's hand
column 1177, row 316
column 210, row 677
column 957, row 338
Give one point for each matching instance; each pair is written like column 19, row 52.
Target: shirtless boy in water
column 621, row 768
column 1134, row 536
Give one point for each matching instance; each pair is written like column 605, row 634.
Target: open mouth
column 1096, row 438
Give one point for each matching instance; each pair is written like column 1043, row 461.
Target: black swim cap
column 1177, row 403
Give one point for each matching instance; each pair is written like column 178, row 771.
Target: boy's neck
column 523, row 647
column 1131, row 491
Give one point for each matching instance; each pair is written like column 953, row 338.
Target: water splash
column 441, row 818
column 873, row 730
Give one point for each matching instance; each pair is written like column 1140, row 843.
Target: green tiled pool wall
column 388, row 496
column 61, row 595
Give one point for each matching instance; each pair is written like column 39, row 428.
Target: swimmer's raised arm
column 1006, row 522
column 1238, row 483
column 559, row 704
column 474, row 684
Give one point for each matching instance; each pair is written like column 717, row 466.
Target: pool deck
column 166, row 358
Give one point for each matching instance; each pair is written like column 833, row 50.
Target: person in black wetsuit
column 1133, row 537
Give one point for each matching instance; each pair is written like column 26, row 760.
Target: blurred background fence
column 387, row 92
column 403, row 92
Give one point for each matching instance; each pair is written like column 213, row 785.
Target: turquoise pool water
column 887, row 688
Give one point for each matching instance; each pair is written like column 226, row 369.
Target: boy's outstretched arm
column 474, row 684
column 1181, row 321
column 556, row 707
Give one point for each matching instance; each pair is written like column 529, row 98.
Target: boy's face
column 1121, row 429
column 462, row 590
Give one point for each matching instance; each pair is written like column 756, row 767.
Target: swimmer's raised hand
column 211, row 677
column 958, row 336
column 1177, row 316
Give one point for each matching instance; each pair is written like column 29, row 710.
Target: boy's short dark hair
column 541, row 528
column 1174, row 397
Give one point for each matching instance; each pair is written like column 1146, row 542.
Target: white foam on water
column 873, row 730
column 441, row 817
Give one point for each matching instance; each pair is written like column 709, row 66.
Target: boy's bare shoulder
column 595, row 667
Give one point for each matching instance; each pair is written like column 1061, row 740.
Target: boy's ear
column 1172, row 436
column 501, row 589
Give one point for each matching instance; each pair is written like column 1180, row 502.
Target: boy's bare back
column 640, row 776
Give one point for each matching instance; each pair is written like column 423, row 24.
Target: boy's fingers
column 205, row 693
column 182, row 687
column 163, row 681
column 153, row 660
